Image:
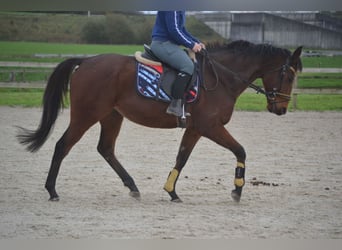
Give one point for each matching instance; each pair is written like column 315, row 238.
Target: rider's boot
column 178, row 88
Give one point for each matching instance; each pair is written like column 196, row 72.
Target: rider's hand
column 197, row 47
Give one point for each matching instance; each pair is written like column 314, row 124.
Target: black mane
column 247, row 48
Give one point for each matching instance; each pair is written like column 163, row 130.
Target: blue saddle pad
column 148, row 84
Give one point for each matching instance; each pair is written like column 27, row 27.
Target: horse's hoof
column 54, row 198
column 135, row 194
column 236, row 196
column 177, row 200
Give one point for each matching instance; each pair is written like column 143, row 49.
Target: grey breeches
column 173, row 55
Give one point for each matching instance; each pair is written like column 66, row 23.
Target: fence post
column 23, row 75
column 12, row 76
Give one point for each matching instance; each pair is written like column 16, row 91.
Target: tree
column 118, row 30
column 95, row 32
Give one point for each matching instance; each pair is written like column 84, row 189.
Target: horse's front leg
column 189, row 140
column 222, row 137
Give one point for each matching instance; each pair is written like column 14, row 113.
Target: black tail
column 53, row 101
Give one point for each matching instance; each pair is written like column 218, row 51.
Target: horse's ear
column 295, row 58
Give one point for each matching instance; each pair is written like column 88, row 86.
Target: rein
column 205, row 55
column 270, row 95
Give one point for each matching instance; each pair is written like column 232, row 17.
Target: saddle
column 148, row 57
column 155, row 78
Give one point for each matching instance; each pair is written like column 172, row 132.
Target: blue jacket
column 170, row 26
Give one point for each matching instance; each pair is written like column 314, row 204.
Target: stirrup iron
column 184, row 113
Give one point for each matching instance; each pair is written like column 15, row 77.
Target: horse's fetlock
column 239, row 180
column 129, row 183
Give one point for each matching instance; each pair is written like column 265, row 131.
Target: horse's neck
column 245, row 66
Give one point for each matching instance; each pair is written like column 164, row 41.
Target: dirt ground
column 293, row 182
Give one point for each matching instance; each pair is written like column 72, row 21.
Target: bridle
column 270, row 95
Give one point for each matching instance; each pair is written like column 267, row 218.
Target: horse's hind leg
column 62, row 148
column 110, row 127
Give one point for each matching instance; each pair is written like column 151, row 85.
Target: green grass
column 23, row 74
column 21, row 97
column 31, row 48
column 316, row 80
column 253, row 102
column 26, row 51
column 322, row 62
column 320, row 80
column 319, row 102
column 320, row 83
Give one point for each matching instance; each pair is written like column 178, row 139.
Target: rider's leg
column 177, row 58
column 178, row 89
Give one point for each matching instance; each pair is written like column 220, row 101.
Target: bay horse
column 102, row 89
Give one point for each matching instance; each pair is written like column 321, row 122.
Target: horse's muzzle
column 278, row 111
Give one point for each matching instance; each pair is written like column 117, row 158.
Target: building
column 286, row 29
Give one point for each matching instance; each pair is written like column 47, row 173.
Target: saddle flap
column 155, row 82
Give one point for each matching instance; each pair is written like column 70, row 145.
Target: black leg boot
column 178, row 88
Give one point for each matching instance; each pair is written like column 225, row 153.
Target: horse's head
column 278, row 83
